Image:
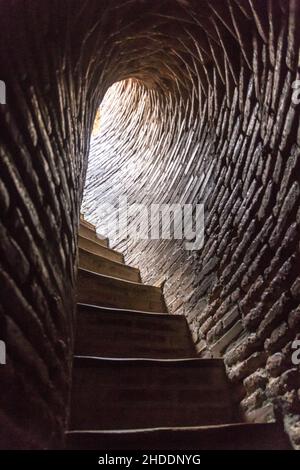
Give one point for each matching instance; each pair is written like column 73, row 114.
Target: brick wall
column 208, row 118
column 41, row 154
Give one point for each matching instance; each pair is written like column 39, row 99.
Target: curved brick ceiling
column 204, row 112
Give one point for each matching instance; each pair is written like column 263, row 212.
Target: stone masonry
column 206, row 110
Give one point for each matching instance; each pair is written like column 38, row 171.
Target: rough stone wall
column 43, row 140
column 207, row 117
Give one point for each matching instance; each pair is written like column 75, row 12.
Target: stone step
column 85, row 223
column 238, row 436
column 100, row 265
column 123, row 333
column 91, row 234
column 106, row 291
column 142, row 393
column 97, row 248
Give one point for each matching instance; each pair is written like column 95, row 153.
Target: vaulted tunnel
column 198, row 106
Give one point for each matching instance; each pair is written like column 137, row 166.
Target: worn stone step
column 98, row 249
column 123, row 333
column 85, row 223
column 237, row 436
column 100, row 265
column 141, row 393
column 106, row 291
column 92, row 235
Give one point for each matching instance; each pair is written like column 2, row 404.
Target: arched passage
column 211, row 89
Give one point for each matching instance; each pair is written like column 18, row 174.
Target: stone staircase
column 137, row 380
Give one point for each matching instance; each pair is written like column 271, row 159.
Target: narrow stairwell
column 137, row 380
